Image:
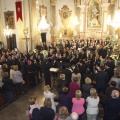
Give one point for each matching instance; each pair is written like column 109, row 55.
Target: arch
column 86, row 2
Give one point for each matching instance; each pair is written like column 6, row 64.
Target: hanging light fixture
column 75, row 22
column 116, row 21
column 43, row 24
column 7, row 31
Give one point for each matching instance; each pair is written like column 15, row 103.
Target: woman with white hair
column 86, row 87
column 112, row 106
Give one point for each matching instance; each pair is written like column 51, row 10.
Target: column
column 105, row 11
column 33, row 22
column 53, row 19
column 82, row 19
column 1, row 26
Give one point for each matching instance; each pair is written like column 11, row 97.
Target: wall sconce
column 7, row 31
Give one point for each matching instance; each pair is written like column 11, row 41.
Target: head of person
column 11, row 66
column 116, row 74
column 65, row 90
column 76, row 70
column 62, row 76
column 47, row 103
column 67, row 66
column 47, row 88
column 78, row 94
column 100, row 68
column 115, row 94
column 5, row 66
column 93, row 93
column 74, row 116
column 5, row 74
column 32, row 100
column 15, row 67
column 63, row 112
column 75, row 79
column 113, row 83
column 106, row 65
column 87, row 80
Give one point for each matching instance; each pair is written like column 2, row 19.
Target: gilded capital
column 53, row 2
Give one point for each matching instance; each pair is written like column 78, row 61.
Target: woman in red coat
column 73, row 86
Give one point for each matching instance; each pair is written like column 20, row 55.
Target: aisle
column 17, row 109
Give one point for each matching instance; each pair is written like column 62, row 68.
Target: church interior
column 60, row 59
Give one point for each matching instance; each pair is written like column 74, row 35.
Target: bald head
column 115, row 94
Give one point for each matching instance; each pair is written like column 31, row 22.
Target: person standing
column 101, row 80
column 78, row 103
column 46, row 70
column 92, row 105
column 112, row 106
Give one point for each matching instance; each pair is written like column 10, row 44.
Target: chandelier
column 44, row 25
column 7, row 31
column 75, row 22
column 116, row 21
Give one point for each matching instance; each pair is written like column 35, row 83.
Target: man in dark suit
column 67, row 73
column 46, row 70
column 109, row 71
column 101, row 80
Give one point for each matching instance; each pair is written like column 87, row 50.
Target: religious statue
column 94, row 21
column 94, row 14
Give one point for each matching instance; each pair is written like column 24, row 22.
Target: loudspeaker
column 43, row 37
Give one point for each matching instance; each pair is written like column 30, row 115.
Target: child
column 49, row 94
column 33, row 104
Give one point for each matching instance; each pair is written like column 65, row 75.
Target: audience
column 61, row 83
column 86, row 87
column 33, row 105
column 76, row 74
column 92, row 105
column 46, row 112
column 49, row 94
column 78, row 103
column 63, row 114
column 65, row 100
column 116, row 78
column 73, row 86
column 112, row 106
column 84, row 56
column 110, row 89
column 8, row 86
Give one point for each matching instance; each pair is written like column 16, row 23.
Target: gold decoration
column 94, row 14
column 52, row 2
column 113, row 1
column 65, row 14
column 66, row 32
column 77, row 2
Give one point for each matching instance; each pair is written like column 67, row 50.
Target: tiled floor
column 17, row 109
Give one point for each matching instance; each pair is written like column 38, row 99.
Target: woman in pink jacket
column 78, row 103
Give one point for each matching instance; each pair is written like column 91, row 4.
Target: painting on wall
column 9, row 19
